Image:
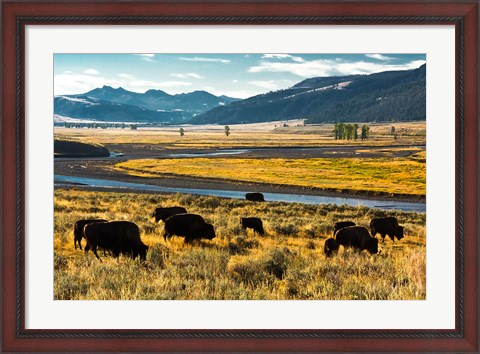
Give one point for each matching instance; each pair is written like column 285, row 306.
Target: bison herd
column 123, row 237
column 348, row 234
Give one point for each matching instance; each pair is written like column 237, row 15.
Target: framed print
column 252, row 176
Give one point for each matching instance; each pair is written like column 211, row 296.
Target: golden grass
column 286, row 263
column 261, row 135
column 386, row 175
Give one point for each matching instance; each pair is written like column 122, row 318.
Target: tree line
column 343, row 131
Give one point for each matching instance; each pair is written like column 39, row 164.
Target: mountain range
column 385, row 96
column 153, row 106
column 379, row 97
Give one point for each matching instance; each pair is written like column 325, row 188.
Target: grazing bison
column 255, row 197
column 164, row 213
column 341, row 224
column 116, row 236
column 78, row 230
column 252, row 223
column 358, row 238
column 190, row 226
column 386, row 226
column 331, row 247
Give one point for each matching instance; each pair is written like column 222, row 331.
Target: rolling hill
column 385, row 96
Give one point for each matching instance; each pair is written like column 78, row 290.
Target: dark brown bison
column 331, row 247
column 386, row 226
column 252, row 223
column 117, row 237
column 358, row 238
column 341, row 224
column 164, row 213
column 190, row 226
column 78, row 230
column 255, row 197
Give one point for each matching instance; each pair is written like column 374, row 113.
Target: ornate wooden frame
column 16, row 14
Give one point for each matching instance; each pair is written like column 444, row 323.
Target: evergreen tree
column 227, row 130
column 181, row 131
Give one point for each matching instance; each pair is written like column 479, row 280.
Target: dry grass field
column 286, row 263
column 248, row 135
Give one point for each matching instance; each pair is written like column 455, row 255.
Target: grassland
column 392, row 176
column 286, row 263
column 249, row 135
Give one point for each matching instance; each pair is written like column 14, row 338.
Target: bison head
column 209, row 231
column 399, row 232
column 373, row 247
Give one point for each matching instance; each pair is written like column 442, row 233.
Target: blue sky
column 235, row 75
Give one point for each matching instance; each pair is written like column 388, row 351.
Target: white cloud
column 328, row 67
column 126, row 76
column 91, row 72
column 187, row 75
column 283, row 56
column 235, row 81
column 378, row 57
column 270, row 85
column 147, row 57
column 208, row 60
column 71, row 83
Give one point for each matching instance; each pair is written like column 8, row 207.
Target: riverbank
column 103, row 169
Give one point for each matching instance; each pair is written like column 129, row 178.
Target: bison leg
column 94, row 250
column 165, row 235
column 383, row 237
column 392, row 237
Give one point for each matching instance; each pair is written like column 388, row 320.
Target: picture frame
column 17, row 14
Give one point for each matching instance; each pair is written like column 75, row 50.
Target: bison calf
column 330, row 247
column 78, row 230
column 358, row 238
column 164, row 213
column 254, row 197
column 341, row 224
column 386, row 226
column 190, row 226
column 252, row 223
column 116, row 236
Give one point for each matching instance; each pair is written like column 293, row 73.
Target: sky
column 234, row 75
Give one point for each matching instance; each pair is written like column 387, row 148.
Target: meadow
column 286, row 263
column 247, row 135
column 389, row 176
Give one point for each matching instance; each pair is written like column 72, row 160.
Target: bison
column 164, row 213
column 341, row 224
column 78, row 230
column 116, row 236
column 358, row 238
column 252, row 223
column 254, row 197
column 331, row 247
column 190, row 226
column 386, row 226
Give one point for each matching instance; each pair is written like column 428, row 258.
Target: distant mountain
column 117, row 104
column 386, row 96
column 85, row 107
column 193, row 103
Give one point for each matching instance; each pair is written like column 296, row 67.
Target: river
column 62, row 180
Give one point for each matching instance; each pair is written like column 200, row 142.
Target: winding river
column 62, row 180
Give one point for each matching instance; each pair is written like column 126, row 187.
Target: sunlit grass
column 286, row 263
column 386, row 175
